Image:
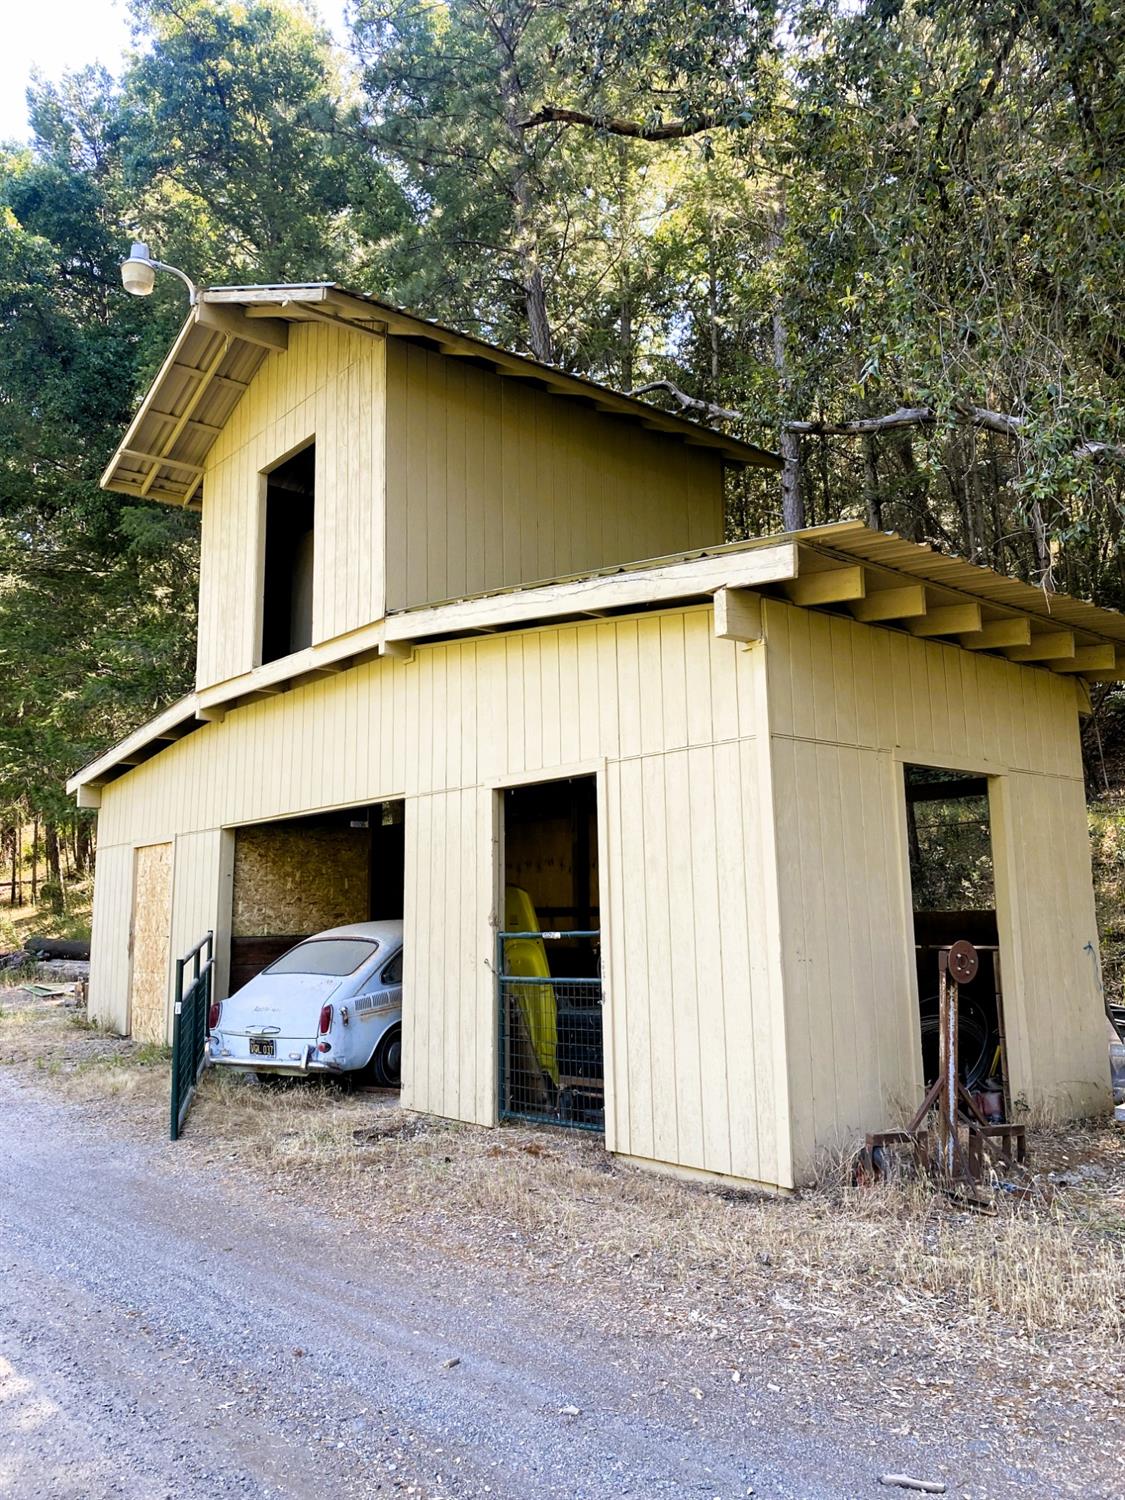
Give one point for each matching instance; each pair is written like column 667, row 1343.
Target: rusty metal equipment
column 940, row 1151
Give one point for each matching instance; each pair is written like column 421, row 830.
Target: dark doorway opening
column 551, row 1045
column 287, row 579
column 298, row 876
column 953, row 886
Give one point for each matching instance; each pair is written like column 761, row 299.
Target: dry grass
column 1055, row 1265
column 18, row 923
column 851, row 1284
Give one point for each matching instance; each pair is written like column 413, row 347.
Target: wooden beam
column 90, row 794
column 950, row 619
column 891, row 604
column 628, row 588
column 994, row 634
column 1089, row 659
column 1051, row 645
column 400, row 650
column 249, row 296
column 157, row 458
column 205, row 378
column 947, row 791
column 267, row 333
column 830, row 586
column 738, row 615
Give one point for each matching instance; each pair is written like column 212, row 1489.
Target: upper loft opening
column 287, row 573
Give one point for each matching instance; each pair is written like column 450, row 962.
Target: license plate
column 261, row 1047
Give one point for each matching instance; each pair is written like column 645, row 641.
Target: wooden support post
column 267, row 333
column 400, row 650
column 738, row 615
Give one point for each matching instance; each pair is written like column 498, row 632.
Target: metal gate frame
column 189, row 1029
column 555, row 1096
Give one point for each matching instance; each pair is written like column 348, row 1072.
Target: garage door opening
column 953, row 885
column 300, row 876
column 549, row 959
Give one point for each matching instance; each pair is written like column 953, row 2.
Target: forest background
column 885, row 238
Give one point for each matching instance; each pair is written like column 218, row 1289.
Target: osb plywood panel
column 290, row 880
column 152, row 924
column 491, row 483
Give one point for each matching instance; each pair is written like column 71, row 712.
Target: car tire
column 386, row 1065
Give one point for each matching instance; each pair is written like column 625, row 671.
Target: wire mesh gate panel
column 189, row 1027
column 551, row 1059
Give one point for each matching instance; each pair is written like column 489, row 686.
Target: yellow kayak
column 527, row 958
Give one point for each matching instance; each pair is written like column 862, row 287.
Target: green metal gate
column 189, row 1027
column 550, row 1029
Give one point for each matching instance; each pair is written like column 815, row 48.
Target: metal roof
column 232, row 330
column 888, row 562
column 897, row 560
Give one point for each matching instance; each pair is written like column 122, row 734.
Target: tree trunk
column 792, row 505
column 35, row 862
column 713, row 309
column 871, row 494
column 84, row 845
column 1044, row 560
column 535, row 292
column 626, row 343
column 913, row 488
column 51, row 852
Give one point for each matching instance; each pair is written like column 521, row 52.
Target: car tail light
column 325, row 1019
column 213, row 1014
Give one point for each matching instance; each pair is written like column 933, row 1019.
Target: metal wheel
column 976, row 1042
column 386, row 1065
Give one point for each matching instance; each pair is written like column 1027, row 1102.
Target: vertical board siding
column 847, row 702
column 109, row 942
column 329, row 385
column 491, row 483
column 675, row 717
column 1054, row 1012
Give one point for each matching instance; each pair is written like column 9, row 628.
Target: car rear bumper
column 310, row 1061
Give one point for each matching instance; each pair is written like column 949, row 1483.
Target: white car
column 332, row 1004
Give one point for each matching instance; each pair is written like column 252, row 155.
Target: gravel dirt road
column 173, row 1333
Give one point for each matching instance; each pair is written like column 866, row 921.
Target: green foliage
column 1107, row 844
column 846, row 208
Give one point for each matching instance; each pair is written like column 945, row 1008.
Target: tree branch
column 689, row 403
column 905, row 416
column 674, row 130
column 922, row 416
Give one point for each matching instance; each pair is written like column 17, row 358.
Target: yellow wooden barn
column 468, row 626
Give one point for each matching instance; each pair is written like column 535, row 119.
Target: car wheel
column 386, row 1065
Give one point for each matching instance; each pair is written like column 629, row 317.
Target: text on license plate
column 262, row 1046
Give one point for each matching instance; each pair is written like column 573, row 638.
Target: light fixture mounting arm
column 193, row 290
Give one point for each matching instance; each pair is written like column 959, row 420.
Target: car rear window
column 337, row 956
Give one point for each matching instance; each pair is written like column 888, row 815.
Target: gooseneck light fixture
column 138, row 273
